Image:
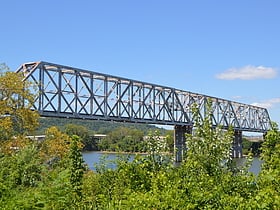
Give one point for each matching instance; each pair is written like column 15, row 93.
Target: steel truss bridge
column 75, row 93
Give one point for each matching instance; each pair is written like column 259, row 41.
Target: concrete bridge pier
column 237, row 144
column 180, row 141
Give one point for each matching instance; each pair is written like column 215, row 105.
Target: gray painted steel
column 75, row 93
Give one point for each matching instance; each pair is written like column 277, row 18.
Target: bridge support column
column 264, row 136
column 237, row 144
column 180, row 141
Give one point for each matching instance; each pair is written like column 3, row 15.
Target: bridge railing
column 75, row 93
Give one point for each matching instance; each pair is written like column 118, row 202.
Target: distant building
column 254, row 138
column 37, row 138
column 98, row 137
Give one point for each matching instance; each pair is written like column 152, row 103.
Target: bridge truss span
column 75, row 93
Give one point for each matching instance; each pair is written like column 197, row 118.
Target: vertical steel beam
column 105, row 99
column 91, row 95
column 131, row 100
column 76, row 93
column 41, row 89
column 237, row 144
column 119, row 94
column 59, row 91
column 180, row 141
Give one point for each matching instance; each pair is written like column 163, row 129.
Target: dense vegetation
column 118, row 133
column 121, row 137
column 251, row 147
column 92, row 126
column 51, row 174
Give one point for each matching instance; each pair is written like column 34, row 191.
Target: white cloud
column 268, row 103
column 248, row 73
column 236, row 97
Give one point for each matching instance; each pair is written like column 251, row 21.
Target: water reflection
column 94, row 158
column 255, row 166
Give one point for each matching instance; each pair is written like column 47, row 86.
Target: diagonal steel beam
column 136, row 101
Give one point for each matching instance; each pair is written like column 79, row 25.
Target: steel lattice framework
column 75, row 93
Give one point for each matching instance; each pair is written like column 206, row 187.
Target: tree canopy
column 16, row 100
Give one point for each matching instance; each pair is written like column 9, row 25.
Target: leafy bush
column 207, row 178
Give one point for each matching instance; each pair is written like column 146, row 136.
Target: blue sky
column 227, row 49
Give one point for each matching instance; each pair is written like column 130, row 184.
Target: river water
column 93, row 158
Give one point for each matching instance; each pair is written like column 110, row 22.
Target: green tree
column 56, row 144
column 170, row 140
column 83, row 133
column 158, row 150
column 16, row 99
column 123, row 139
column 268, row 196
column 208, row 149
column 209, row 177
column 271, row 149
column 77, row 167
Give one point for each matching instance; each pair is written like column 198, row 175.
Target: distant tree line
column 120, row 137
column 93, row 126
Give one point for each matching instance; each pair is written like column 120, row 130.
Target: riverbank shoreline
column 125, row 153
column 114, row 152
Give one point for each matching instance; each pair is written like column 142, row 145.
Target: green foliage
column 16, row 97
column 93, row 126
column 77, row 167
column 246, row 146
column 268, row 196
column 251, row 147
column 169, row 136
column 271, row 149
column 209, row 149
column 157, row 149
column 21, row 168
column 56, row 144
column 83, row 133
column 85, row 129
column 207, row 179
column 20, row 174
column 123, row 139
column 78, row 130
